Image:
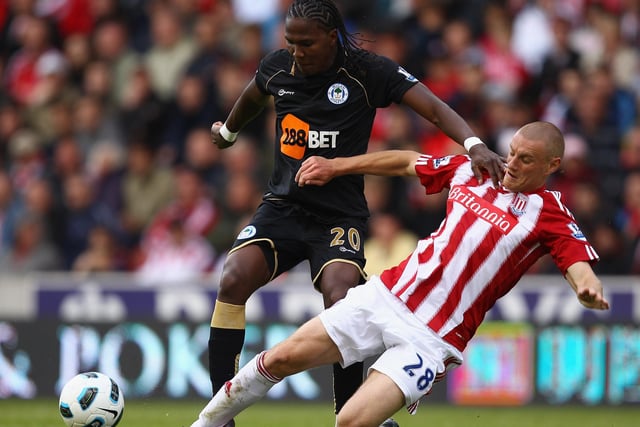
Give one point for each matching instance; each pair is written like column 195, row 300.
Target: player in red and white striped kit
column 420, row 314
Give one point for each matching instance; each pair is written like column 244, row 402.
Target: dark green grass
column 180, row 413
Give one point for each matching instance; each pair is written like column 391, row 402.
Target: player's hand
column 217, row 139
column 483, row 159
column 592, row 298
column 315, row 170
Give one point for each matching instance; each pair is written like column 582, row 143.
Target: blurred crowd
column 106, row 106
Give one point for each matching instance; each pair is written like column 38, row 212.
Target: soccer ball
column 91, row 399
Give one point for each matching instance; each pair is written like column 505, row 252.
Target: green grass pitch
column 180, row 413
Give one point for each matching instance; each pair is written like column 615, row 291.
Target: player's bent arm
column 250, row 103
column 319, row 170
column 384, row 163
column 424, row 102
column 587, row 286
column 420, row 99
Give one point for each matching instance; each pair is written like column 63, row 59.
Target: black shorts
column 289, row 235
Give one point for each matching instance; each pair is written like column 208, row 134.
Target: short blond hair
column 547, row 132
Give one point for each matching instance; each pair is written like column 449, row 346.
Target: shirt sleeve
column 562, row 235
column 389, row 81
column 267, row 67
column 437, row 173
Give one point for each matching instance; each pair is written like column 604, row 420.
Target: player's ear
column 333, row 36
column 554, row 164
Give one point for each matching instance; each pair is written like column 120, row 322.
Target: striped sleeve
column 436, row 173
column 562, row 235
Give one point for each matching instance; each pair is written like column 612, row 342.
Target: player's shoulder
column 365, row 60
column 552, row 196
column 553, row 202
column 277, row 59
column 277, row 62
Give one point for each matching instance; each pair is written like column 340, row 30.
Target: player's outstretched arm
column 424, row 102
column 319, row 170
column 587, row 286
column 250, row 103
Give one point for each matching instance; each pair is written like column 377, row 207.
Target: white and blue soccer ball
column 91, row 399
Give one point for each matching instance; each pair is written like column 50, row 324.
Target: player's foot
column 233, row 424
column 390, row 422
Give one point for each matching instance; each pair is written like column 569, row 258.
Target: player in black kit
column 326, row 91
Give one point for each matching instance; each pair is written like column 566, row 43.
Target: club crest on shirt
column 338, row 93
column 519, row 204
column 575, row 231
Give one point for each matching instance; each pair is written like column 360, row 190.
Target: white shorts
column 371, row 321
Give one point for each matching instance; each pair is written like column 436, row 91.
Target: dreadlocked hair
column 326, row 13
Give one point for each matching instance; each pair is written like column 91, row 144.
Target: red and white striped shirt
column 488, row 240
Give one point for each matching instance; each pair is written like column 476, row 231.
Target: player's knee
column 243, row 273
column 335, row 293
column 280, row 363
column 230, row 279
column 348, row 419
column 236, row 285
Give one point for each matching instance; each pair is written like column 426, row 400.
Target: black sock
column 345, row 383
column 225, row 346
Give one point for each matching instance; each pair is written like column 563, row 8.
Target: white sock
column 248, row 386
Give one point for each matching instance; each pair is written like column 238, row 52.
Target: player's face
column 528, row 164
column 313, row 48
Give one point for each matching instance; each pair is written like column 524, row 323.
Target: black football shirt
column 329, row 115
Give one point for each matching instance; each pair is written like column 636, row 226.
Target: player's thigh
column 276, row 229
column 336, row 279
column 412, row 368
column 357, row 325
column 377, row 388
